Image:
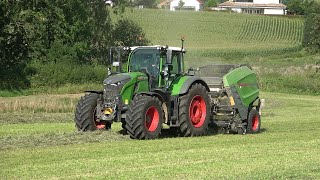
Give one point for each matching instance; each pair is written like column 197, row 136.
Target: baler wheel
column 144, row 117
column 254, row 122
column 194, row 111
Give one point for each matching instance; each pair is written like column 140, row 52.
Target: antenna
column 182, row 42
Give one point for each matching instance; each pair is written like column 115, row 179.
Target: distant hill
column 211, row 34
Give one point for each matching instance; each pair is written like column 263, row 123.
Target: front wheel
column 254, row 122
column 144, row 117
column 85, row 114
column 194, row 111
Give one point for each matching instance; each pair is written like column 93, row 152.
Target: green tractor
column 155, row 90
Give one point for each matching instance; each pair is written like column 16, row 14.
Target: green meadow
column 45, row 145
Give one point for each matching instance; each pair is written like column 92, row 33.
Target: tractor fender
column 190, row 81
column 161, row 98
column 94, row 92
column 258, row 104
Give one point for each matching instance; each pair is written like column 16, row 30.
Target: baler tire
column 254, row 122
column 85, row 113
column 144, row 117
column 187, row 126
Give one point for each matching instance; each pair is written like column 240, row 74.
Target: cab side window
column 176, row 63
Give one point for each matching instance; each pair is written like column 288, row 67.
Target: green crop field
column 212, row 34
column 45, row 145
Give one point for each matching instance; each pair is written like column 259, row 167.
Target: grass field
column 38, row 139
column 45, row 145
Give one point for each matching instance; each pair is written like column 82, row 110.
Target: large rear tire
column 144, row 117
column 194, row 111
column 254, row 122
column 85, row 114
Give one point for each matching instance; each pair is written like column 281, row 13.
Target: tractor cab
column 161, row 64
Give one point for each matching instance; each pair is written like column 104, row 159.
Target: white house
column 270, row 7
column 187, row 5
column 109, row 3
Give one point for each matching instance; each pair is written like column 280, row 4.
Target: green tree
column 181, row 3
column 145, row 3
column 302, row 7
column 312, row 32
column 315, row 33
column 128, row 33
column 14, row 46
column 295, row 7
column 81, row 24
column 211, row 3
column 58, row 33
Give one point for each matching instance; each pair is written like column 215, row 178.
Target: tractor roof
column 158, row 46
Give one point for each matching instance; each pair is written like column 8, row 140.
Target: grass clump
column 58, row 139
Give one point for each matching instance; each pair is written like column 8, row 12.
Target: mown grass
column 39, row 103
column 38, row 117
column 287, row 148
column 65, row 89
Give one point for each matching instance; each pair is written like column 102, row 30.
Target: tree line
column 311, row 11
column 36, row 33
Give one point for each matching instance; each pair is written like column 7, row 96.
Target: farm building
column 194, row 5
column 270, row 7
column 109, row 3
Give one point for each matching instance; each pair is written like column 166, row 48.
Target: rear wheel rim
column 152, row 119
column 99, row 125
column 255, row 122
column 197, row 111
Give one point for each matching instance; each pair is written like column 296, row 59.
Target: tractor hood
column 113, row 85
column 122, row 84
column 117, row 79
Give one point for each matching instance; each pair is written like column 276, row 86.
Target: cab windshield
column 147, row 61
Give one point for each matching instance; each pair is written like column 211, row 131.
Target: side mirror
column 169, row 56
column 191, row 72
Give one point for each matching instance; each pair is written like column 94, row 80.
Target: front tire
column 254, row 122
column 194, row 111
column 85, row 114
column 144, row 117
